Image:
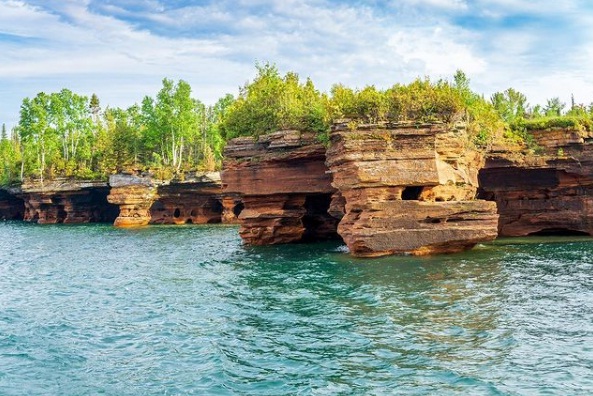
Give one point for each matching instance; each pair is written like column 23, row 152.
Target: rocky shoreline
column 384, row 189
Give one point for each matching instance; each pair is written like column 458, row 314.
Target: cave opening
column 189, row 221
column 105, row 212
column 176, row 213
column 61, row 214
column 319, row 225
column 412, row 193
column 11, row 206
column 558, row 232
column 217, row 206
column 238, row 208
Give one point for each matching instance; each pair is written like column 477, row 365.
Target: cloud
column 122, row 49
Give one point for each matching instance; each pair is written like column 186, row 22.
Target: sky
column 122, row 49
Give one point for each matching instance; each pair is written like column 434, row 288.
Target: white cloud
column 453, row 5
column 122, row 53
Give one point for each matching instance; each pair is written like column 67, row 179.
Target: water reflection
column 397, row 316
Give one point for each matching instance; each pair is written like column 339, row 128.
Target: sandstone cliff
column 134, row 194
column 197, row 199
column 408, row 188
column 547, row 193
column 67, row 201
column 284, row 185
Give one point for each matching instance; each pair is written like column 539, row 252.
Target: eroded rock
column 285, row 188
column 409, row 188
column 67, row 201
column 548, row 193
column 12, row 206
column 142, row 199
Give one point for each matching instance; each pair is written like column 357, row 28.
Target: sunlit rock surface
column 195, row 199
column 285, row 187
column 546, row 192
column 408, row 189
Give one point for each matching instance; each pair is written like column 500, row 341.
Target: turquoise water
column 91, row 309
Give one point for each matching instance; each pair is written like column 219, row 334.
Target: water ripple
column 90, row 309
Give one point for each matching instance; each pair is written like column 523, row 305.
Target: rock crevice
column 284, row 185
column 409, row 189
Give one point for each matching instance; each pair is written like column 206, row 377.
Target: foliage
column 423, row 100
column 510, row 104
column 272, row 102
column 583, row 122
column 10, row 158
column 66, row 134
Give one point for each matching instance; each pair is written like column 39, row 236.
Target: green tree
column 510, row 104
column 9, row 158
column 172, row 122
column 215, row 116
column 40, row 141
column 272, row 102
column 554, row 107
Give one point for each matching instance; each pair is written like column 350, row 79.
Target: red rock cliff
column 547, row 193
column 285, row 188
column 67, row 201
column 197, row 199
column 408, row 188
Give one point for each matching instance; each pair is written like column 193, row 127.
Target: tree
column 39, row 139
column 510, row 104
column 554, row 107
column 272, row 102
column 172, row 122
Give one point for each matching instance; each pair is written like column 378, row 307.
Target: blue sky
column 122, row 49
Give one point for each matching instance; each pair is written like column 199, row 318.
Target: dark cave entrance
column 238, row 208
column 319, row 225
column 559, row 232
column 412, row 193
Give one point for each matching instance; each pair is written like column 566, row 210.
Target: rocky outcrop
column 408, row 188
column 232, row 206
column 547, row 193
column 67, row 201
column 12, row 206
column 283, row 182
column 134, row 194
column 194, row 200
column 197, row 199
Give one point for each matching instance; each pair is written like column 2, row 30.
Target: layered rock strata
column 408, row 188
column 194, row 200
column 67, row 201
column 134, row 194
column 283, row 182
column 197, row 199
column 547, row 193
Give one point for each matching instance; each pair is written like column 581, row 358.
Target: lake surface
column 91, row 309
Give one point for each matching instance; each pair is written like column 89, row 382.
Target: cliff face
column 544, row 194
column 283, row 182
column 67, row 201
column 143, row 200
column 196, row 200
column 408, row 189
column 12, row 206
column 134, row 194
